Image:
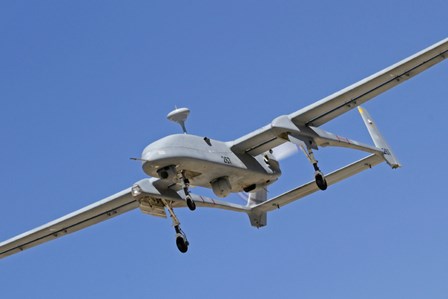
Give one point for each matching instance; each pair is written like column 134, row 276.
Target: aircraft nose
column 148, row 153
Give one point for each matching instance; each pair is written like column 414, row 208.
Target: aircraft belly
column 202, row 167
column 239, row 178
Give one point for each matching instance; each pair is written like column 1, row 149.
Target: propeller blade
column 244, row 196
column 285, row 150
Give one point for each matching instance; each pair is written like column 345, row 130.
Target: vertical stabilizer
column 378, row 139
column 257, row 218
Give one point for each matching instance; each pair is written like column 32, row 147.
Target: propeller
column 285, row 150
column 280, row 152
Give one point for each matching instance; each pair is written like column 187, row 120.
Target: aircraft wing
column 151, row 194
column 345, row 100
column 348, row 98
column 102, row 210
column 311, row 187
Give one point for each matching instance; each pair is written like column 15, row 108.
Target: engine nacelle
column 221, row 186
column 167, row 173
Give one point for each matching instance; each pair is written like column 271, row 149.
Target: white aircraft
column 250, row 163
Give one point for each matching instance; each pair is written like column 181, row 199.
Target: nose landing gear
column 190, row 203
column 185, row 185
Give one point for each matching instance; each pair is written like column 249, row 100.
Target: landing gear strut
column 185, row 185
column 307, row 148
column 319, row 177
column 181, row 238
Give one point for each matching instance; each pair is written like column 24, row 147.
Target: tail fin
column 378, row 139
column 257, row 219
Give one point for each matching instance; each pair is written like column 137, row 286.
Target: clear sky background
column 85, row 85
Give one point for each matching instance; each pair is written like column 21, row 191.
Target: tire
column 182, row 243
column 320, row 181
column 190, row 203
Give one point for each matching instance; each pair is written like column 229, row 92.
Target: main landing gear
column 319, row 177
column 185, row 185
column 307, row 148
column 181, row 238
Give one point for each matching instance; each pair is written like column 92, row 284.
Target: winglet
column 378, row 139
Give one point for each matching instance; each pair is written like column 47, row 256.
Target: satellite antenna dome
column 179, row 115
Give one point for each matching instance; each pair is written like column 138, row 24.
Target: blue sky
column 87, row 84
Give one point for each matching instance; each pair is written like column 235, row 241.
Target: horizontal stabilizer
column 311, row 187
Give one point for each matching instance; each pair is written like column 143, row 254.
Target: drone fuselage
column 203, row 161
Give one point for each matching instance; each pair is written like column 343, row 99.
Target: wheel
column 190, row 203
column 182, row 243
column 320, row 181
